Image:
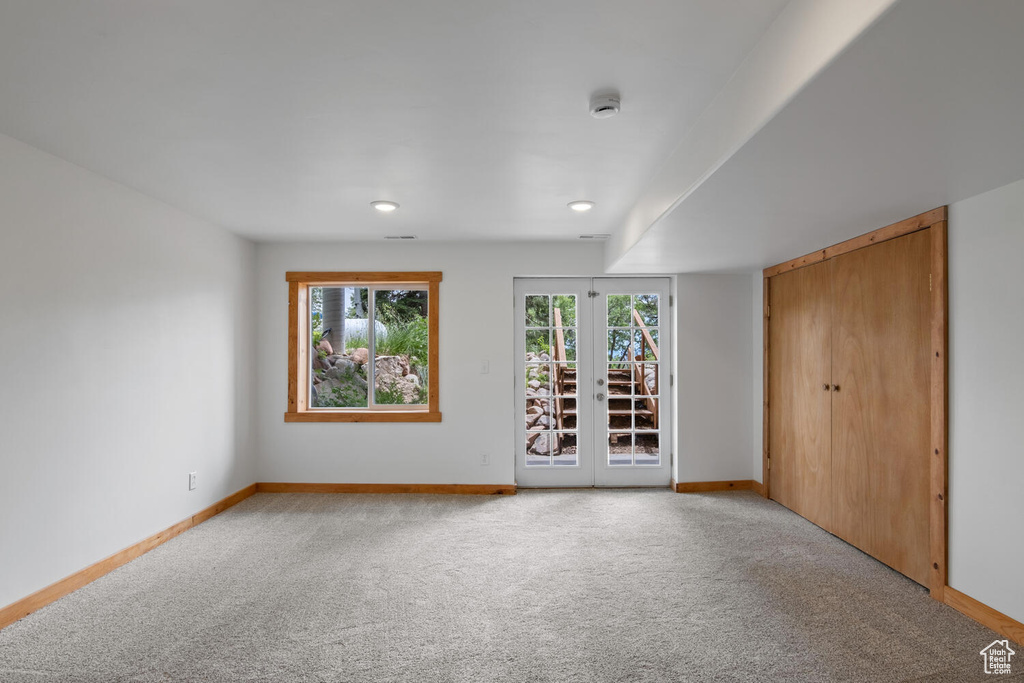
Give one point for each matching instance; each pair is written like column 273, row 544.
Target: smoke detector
column 604, row 105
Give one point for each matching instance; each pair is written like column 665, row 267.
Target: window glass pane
column 337, row 382
column 338, row 315
column 337, row 373
column 400, row 338
column 538, row 310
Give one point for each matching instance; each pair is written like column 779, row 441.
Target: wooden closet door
column 881, row 401
column 799, row 430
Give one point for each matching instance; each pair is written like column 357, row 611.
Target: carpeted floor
column 543, row 586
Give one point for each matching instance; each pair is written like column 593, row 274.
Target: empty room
column 493, row 341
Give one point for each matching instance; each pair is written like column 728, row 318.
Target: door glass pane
column 619, row 311
column 620, row 346
column 650, row 373
column 551, row 380
column 620, row 379
column 564, row 379
column 566, row 449
column 647, row 450
column 538, row 310
column 645, row 344
column 633, row 354
column 538, row 345
column 646, row 306
column 564, row 305
column 565, row 345
column 538, row 379
column 620, row 448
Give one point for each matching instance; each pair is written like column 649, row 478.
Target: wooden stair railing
column 558, row 357
column 638, row 379
column 646, row 341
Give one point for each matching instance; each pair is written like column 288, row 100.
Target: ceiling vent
column 604, row 105
column 596, row 236
column 400, row 237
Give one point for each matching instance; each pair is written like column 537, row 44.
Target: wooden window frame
column 299, row 346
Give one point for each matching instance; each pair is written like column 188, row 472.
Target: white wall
column 476, row 324
column 757, row 377
column 126, row 351
column 986, row 397
column 713, row 376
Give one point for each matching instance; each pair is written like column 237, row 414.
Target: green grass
column 402, row 339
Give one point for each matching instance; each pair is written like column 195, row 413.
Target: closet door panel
column 881, row 409
column 799, row 419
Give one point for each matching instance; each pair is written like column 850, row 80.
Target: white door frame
column 593, row 468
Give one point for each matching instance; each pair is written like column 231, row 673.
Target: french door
column 592, row 382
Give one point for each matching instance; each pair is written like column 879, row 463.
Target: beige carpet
column 543, row 586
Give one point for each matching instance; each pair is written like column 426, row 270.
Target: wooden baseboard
column 984, row 615
column 53, row 592
column 706, row 486
column 464, row 489
column 757, row 487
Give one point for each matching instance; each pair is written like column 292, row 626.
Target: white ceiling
column 926, row 108
column 284, row 119
column 751, row 131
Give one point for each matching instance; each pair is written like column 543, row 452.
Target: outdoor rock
column 344, row 364
column 341, row 372
column 360, row 356
column 544, row 444
column 391, row 374
column 325, row 346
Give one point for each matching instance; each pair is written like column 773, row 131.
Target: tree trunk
column 334, row 317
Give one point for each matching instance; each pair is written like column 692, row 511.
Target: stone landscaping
column 339, row 379
column 539, row 411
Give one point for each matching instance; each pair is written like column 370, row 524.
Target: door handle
column 600, row 397
column 835, row 387
column 825, row 387
column 600, row 382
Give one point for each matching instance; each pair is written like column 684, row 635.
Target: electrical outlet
column 485, row 459
column 485, row 367
column 191, row 481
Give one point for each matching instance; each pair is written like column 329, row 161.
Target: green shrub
column 408, row 338
column 390, row 395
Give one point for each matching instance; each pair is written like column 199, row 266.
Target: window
column 362, row 347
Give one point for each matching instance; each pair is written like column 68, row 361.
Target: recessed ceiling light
column 384, row 206
column 581, row 205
